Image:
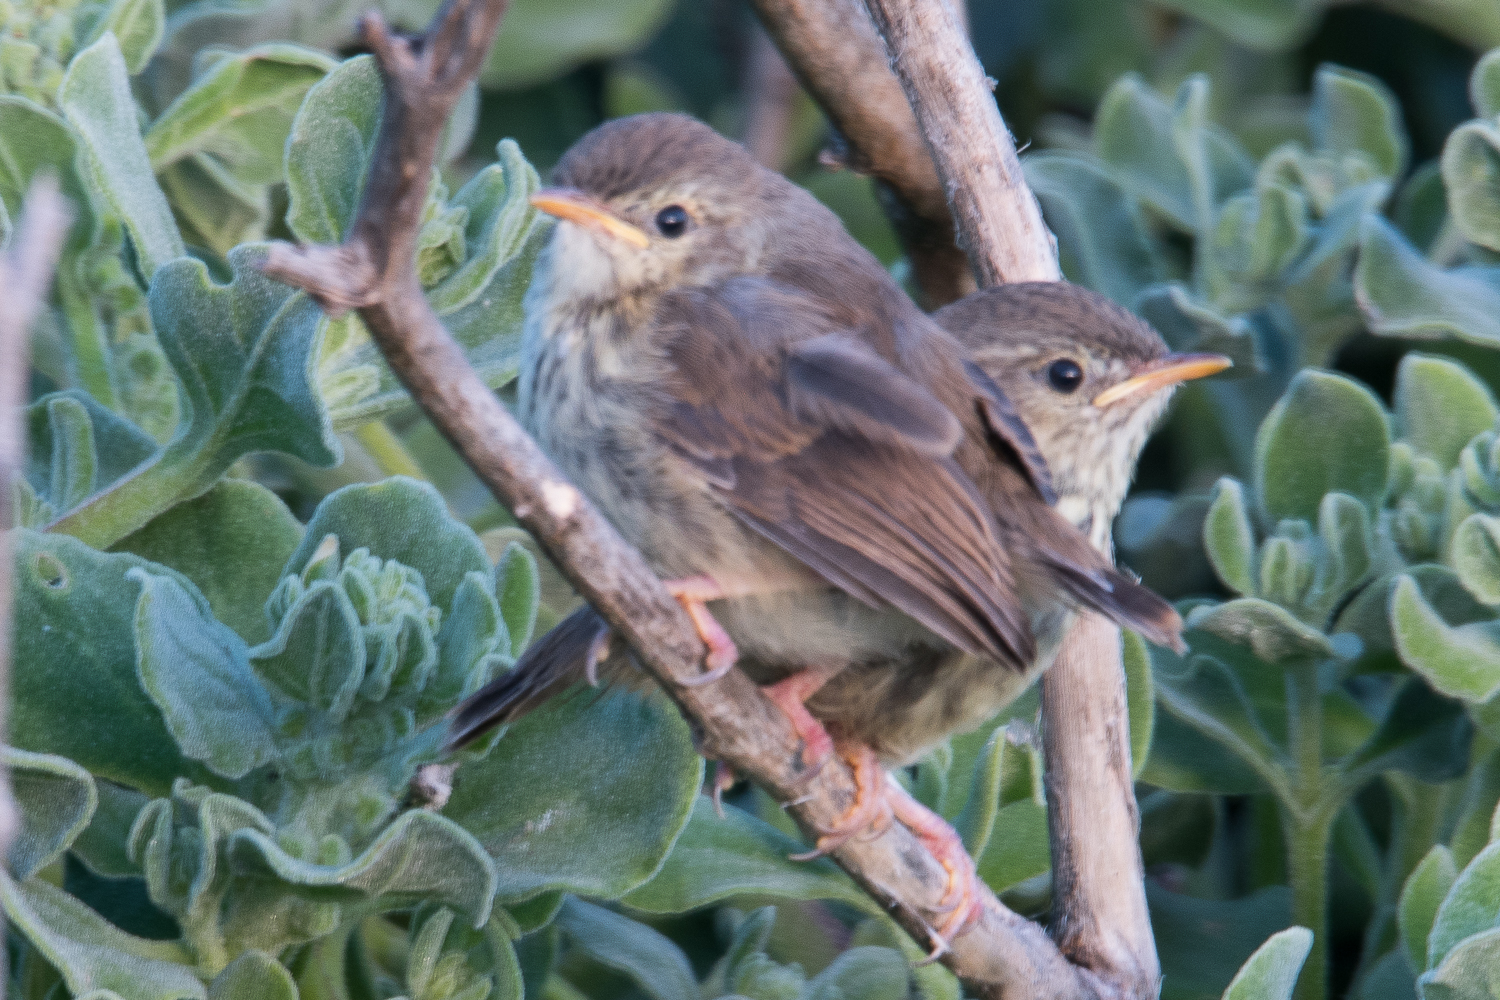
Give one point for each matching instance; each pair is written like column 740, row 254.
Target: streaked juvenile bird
column 842, row 499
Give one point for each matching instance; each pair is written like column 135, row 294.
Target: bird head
column 1089, row 379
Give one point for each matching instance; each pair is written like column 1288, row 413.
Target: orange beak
column 572, row 205
column 1170, row 370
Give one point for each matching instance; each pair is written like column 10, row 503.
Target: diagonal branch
column 374, row 272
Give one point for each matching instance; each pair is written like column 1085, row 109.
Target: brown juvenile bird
column 755, row 404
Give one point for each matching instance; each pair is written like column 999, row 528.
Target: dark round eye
column 672, row 221
column 1064, row 375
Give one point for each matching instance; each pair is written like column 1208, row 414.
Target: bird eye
column 672, row 221
column 1064, row 375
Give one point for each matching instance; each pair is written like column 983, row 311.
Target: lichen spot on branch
column 562, row 499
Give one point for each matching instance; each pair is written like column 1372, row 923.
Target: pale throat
column 1093, row 462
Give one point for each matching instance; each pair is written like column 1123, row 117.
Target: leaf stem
column 88, row 340
column 1308, row 823
column 386, row 449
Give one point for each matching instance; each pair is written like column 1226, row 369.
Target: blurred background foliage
column 1310, row 186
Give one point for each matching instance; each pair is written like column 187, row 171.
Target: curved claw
column 963, row 897
column 870, row 809
column 692, row 592
column 717, row 673
column 598, row 653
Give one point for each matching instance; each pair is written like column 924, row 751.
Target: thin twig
column 833, row 49
column 26, row 270
column 374, row 272
column 1100, row 919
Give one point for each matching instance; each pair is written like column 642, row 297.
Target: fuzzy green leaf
column 1101, row 238
column 96, row 98
column 1140, row 698
column 421, row 857
column 1267, row 629
column 1440, row 406
column 1423, row 893
column 1468, row 971
column 1019, row 848
column 1471, row 173
column 197, row 671
column 1133, row 134
column 94, row 955
column 1476, row 556
column 56, row 799
column 977, row 821
column 560, row 806
column 1229, row 539
column 1271, row 973
column 518, row 586
column 401, row 519
column 1471, row 907
column 328, row 150
column 1327, row 434
column 863, row 973
column 75, row 651
column 1460, row 661
column 137, row 24
column 32, row 139
column 1189, row 325
column 541, row 39
column 1354, row 113
column 68, row 433
column 1484, row 85
column 317, row 655
column 1422, row 734
column 643, row 953
column 254, row 975
column 716, row 859
column 1404, row 295
column 232, row 542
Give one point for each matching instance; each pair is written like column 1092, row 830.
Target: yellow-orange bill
column 1169, row 370
column 575, row 206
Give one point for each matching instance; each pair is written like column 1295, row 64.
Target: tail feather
column 552, row 664
column 1125, row 601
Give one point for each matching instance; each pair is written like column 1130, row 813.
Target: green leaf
column 75, row 651
column 1461, row 662
column 1355, row 114
column 1101, row 237
column 1190, row 326
column 717, row 859
column 232, row 543
column 96, row 99
column 401, row 519
column 198, row 673
column 1133, row 134
column 863, row 973
column 587, row 794
column 317, row 655
column 1476, row 556
column 1271, row 973
column 244, row 355
column 102, row 844
column 1471, row 906
column 1327, row 434
column 421, row 857
column 1423, row 893
column 240, row 110
column 32, row 139
column 56, row 800
column 76, row 446
column 328, row 150
column 1484, row 85
column 1019, row 848
column 1140, row 698
column 254, row 975
column 1468, row 972
column 644, row 954
column 1441, row 406
column 542, row 39
column 1422, row 734
column 137, row 24
column 1268, row 630
column 1403, row 295
column 1266, row 25
column 1229, row 539
column 1204, row 942
column 977, row 820
column 518, row 587
column 93, row 955
column 1471, row 173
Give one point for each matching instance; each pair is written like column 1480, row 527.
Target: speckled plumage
column 758, row 401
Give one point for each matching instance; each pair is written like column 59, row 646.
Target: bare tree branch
column 834, row 50
column 373, row 271
column 1100, row 919
column 26, row 270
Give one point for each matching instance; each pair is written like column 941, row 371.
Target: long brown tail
column 556, row 661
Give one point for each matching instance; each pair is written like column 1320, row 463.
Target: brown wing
column 833, row 453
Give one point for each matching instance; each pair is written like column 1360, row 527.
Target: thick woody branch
column 1100, row 919
column 998, row 221
column 26, row 270
column 835, row 52
column 373, row 271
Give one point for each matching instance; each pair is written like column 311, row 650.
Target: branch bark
column 373, row 271
column 1100, row 918
column 835, row 52
column 25, row 276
